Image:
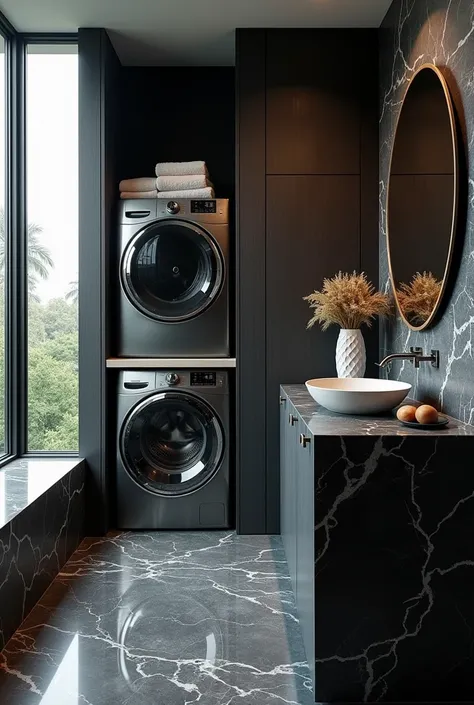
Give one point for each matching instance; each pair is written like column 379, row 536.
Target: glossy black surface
column 42, row 510
column 393, row 531
column 172, row 618
column 322, row 422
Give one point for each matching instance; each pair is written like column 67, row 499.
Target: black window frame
column 16, row 275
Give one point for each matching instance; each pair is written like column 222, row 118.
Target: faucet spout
column 415, row 356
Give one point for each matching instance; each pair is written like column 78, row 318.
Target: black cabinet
column 312, row 232
column 288, row 448
column 297, row 516
column 304, row 469
column 307, row 207
column 314, row 101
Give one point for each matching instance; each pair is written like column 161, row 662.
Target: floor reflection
column 64, row 687
column 172, row 618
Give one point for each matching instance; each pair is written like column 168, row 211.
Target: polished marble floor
column 162, row 618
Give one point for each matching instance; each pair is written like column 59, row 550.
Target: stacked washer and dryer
column 173, row 430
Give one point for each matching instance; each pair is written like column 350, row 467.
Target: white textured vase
column 350, row 353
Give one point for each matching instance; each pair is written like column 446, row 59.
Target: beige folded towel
column 190, row 193
column 181, row 183
column 180, row 168
column 143, row 183
column 125, row 195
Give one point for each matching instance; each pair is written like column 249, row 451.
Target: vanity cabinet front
column 378, row 527
column 297, row 515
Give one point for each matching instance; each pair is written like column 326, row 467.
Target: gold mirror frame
column 454, row 139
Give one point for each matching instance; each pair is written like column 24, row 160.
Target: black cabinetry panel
column 314, row 99
column 312, row 233
column 250, row 193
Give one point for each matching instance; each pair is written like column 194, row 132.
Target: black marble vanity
column 378, row 527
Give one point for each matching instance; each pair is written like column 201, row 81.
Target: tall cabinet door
column 288, row 449
column 314, row 95
column 305, row 582
column 312, row 233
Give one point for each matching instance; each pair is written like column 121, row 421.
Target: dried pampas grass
column 418, row 299
column 348, row 300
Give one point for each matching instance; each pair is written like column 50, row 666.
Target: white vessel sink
column 357, row 395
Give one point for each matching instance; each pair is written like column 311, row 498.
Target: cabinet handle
column 304, row 440
column 292, row 419
column 282, row 400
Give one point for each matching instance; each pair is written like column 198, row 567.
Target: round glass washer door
column 172, row 443
column 172, row 270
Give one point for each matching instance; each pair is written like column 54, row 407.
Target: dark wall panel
column 307, row 154
column 99, row 73
column 179, row 114
column 251, row 352
column 313, row 101
column 312, row 232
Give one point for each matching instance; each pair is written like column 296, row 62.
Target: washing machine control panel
column 203, row 379
column 192, row 378
column 203, row 207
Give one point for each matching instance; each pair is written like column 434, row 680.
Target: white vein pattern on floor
column 175, row 618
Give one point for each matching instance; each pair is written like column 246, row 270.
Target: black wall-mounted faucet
column 415, row 356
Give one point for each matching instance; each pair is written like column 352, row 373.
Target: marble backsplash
column 440, row 32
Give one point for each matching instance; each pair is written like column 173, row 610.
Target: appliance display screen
column 203, row 379
column 203, row 207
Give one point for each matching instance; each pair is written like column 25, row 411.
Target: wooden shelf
column 125, row 363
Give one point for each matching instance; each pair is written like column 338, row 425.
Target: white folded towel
column 182, row 183
column 180, row 168
column 190, row 193
column 125, row 195
column 143, row 183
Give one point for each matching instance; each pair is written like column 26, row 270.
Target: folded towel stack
column 142, row 187
column 173, row 180
column 183, row 180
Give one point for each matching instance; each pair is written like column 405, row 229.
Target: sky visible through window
column 52, row 214
column 52, row 167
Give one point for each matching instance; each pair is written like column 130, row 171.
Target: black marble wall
column 441, row 32
column 35, row 545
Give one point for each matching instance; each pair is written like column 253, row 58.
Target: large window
column 3, row 245
column 52, row 246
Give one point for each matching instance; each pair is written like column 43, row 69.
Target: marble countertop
column 23, row 480
column 321, row 422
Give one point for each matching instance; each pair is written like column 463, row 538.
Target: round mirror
column 422, row 198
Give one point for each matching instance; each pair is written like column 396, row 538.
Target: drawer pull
column 282, row 400
column 292, row 419
column 304, row 440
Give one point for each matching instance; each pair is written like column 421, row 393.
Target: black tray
column 443, row 421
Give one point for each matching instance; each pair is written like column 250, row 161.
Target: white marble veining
column 441, row 32
column 25, row 479
column 394, row 556
column 321, row 422
column 175, row 618
column 43, row 503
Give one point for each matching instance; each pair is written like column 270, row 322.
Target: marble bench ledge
column 321, row 422
column 41, row 524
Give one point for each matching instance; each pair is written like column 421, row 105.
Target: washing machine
column 173, row 449
column 174, row 295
